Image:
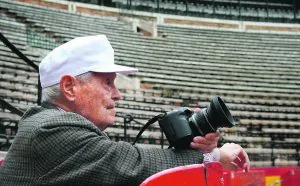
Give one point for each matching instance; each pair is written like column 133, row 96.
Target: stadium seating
column 256, row 74
column 224, row 9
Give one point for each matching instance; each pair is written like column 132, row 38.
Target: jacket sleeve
column 69, row 150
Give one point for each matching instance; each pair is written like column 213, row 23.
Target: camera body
column 181, row 126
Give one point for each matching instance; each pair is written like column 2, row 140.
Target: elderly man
column 62, row 141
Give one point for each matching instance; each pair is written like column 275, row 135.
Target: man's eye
column 109, row 82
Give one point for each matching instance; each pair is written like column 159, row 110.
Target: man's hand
column 205, row 144
column 233, row 156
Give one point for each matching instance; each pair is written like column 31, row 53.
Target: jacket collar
column 48, row 105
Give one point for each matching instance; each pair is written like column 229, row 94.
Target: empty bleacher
column 256, row 74
column 273, row 11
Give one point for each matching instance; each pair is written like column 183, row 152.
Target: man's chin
column 110, row 121
column 102, row 125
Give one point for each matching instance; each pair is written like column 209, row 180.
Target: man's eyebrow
column 113, row 77
column 110, row 79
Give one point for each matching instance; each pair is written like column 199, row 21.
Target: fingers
column 233, row 156
column 203, row 147
column 213, row 136
column 246, row 165
column 205, row 144
column 234, row 166
column 239, row 162
column 243, row 160
column 210, row 137
column 202, row 140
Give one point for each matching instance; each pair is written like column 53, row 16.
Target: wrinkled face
column 95, row 99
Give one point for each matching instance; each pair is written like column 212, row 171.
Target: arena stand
column 255, row 73
column 244, row 10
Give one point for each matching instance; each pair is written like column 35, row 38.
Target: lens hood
column 218, row 114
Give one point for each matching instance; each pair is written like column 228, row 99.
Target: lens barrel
column 209, row 120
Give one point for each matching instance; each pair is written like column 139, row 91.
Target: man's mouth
column 110, row 107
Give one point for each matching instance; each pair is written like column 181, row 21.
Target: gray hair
column 53, row 92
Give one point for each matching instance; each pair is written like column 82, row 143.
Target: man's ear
column 68, row 87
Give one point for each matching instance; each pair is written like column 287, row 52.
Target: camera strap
column 150, row 122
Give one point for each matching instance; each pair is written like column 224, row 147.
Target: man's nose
column 116, row 94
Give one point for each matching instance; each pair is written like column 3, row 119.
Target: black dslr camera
column 181, row 126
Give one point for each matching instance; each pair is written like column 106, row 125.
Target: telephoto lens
column 181, row 126
column 208, row 120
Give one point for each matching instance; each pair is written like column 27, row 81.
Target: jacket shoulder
column 40, row 117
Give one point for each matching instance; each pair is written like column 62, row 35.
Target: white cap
column 78, row 56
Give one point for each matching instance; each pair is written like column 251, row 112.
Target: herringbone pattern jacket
column 53, row 147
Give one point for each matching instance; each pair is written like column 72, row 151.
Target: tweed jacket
column 53, row 147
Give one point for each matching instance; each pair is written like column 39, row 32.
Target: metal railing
column 24, row 58
column 129, row 121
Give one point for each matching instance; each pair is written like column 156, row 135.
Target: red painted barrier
column 281, row 176
column 214, row 174
column 211, row 174
column 252, row 178
column 190, row 175
column 291, row 178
